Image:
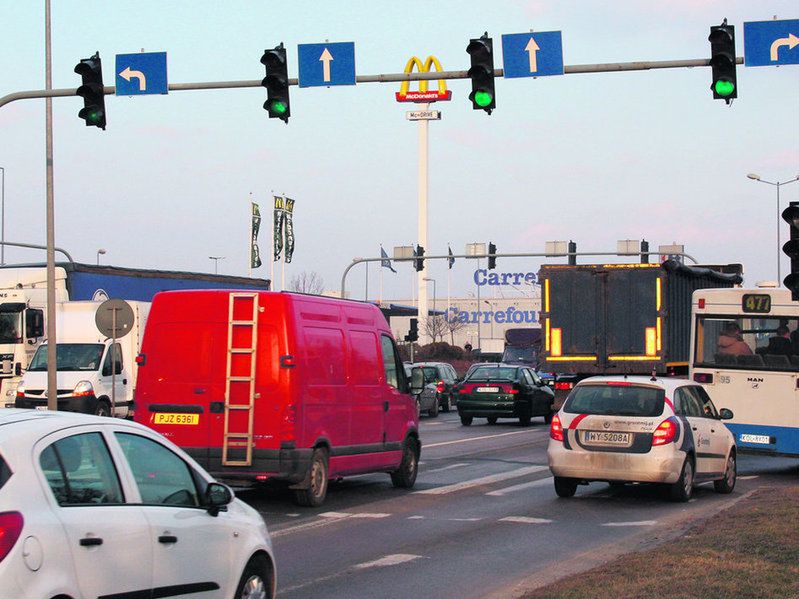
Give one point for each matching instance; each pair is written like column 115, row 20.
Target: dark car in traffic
column 494, row 391
column 432, row 383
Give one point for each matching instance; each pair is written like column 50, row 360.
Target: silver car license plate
column 607, row 438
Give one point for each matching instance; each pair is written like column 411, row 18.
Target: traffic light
column 572, row 260
column 93, row 111
column 413, row 331
column 791, row 248
column 644, row 251
column 481, row 51
column 492, row 260
column 418, row 261
column 722, row 61
column 276, row 83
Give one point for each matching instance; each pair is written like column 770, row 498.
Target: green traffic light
column 278, row 107
column 482, row 99
column 724, row 88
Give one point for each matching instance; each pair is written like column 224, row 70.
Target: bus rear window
column 5, row 472
column 616, row 400
column 747, row 343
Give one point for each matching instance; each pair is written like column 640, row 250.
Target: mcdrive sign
column 483, row 277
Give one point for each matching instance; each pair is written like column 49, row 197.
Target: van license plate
column 606, row 438
column 167, row 418
column 487, row 389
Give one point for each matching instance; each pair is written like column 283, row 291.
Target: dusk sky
column 589, row 157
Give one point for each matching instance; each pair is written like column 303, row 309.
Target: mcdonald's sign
column 423, row 96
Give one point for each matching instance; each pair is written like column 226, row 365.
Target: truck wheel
column 404, row 477
column 466, row 420
column 681, row 490
column 314, row 494
column 565, row 487
column 103, row 408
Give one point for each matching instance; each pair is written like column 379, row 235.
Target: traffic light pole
column 357, row 261
column 612, row 67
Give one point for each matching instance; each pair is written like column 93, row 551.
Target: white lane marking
column 493, row 478
column 325, row 518
column 525, row 520
column 450, row 467
column 389, row 560
column 639, row 523
column 527, row 431
column 463, row 519
column 342, row 515
column 415, row 518
column 748, row 477
column 536, row 483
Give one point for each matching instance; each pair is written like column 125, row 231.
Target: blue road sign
column 532, row 54
column 327, row 64
column 771, row 43
column 141, row 74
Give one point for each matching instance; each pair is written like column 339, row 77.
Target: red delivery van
column 259, row 385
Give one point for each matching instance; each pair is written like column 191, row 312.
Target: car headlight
column 83, row 388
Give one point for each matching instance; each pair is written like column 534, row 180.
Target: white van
column 87, row 382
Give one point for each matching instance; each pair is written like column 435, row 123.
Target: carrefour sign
column 483, row 277
column 511, row 315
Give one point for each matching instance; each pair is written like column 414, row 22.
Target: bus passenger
column 730, row 341
column 780, row 344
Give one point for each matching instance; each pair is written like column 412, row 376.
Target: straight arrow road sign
column 532, row 54
column 326, row 64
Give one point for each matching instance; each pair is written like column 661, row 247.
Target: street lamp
column 755, row 177
column 3, row 217
column 216, row 260
column 434, row 291
column 490, row 305
column 99, row 252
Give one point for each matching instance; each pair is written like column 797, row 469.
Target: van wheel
column 404, row 477
column 103, row 408
column 565, row 487
column 466, row 420
column 434, row 410
column 314, row 494
column 255, row 582
column 727, row 484
column 681, row 490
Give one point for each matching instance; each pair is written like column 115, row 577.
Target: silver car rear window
column 615, row 400
column 5, row 472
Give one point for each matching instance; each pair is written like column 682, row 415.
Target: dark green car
column 496, row 391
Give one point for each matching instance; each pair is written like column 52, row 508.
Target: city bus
column 745, row 350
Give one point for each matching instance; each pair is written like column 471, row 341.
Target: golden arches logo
column 403, row 95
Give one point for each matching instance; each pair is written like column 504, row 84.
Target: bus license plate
column 167, row 418
column 607, row 438
column 759, row 439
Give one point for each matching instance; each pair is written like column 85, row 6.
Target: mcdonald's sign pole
column 423, row 97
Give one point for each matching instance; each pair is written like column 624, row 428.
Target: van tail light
column 555, row 429
column 10, row 529
column 141, row 360
column 564, row 386
column 441, row 387
column 665, row 433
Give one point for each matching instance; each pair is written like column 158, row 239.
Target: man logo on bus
column 423, row 96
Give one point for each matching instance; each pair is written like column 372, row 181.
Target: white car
column 641, row 429
column 93, row 506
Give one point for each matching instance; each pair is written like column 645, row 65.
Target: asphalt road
column 483, row 520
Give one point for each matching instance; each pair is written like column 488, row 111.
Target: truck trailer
column 23, row 302
column 605, row 319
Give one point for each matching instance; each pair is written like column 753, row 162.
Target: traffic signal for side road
column 93, row 111
column 722, row 62
column 413, row 331
column 418, row 261
column 492, row 260
column 791, row 249
column 481, row 51
column 276, row 83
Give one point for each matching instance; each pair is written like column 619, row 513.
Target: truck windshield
column 70, row 356
column 10, row 327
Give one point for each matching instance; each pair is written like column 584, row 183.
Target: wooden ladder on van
column 243, row 385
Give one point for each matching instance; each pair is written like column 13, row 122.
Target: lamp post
column 99, row 252
column 3, row 217
column 490, row 305
column 216, row 260
column 755, row 177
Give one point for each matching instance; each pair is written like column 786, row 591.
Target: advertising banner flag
column 385, row 262
column 451, row 259
column 255, row 253
column 278, row 228
column 288, row 220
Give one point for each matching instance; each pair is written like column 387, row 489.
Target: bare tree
column 436, row 327
column 453, row 326
column 307, row 282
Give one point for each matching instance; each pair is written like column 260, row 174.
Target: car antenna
column 654, row 375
